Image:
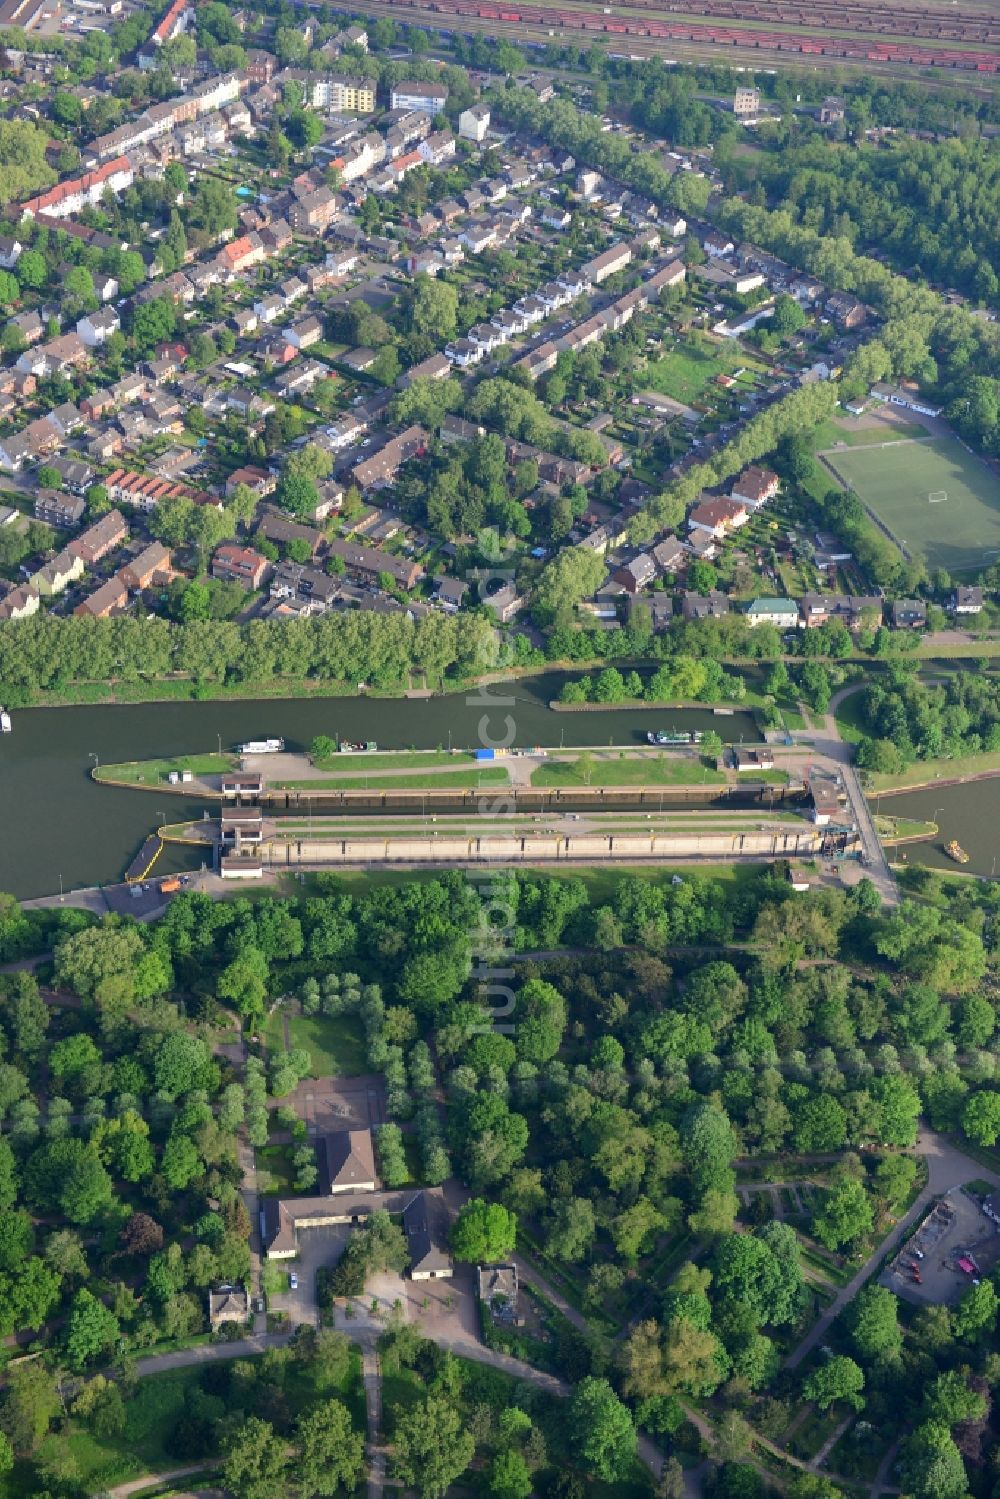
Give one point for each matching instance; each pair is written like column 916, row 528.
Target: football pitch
column 935, row 498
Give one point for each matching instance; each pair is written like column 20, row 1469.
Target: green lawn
column 155, row 772
column 492, row 775
column 274, row 1170
column 645, row 771
column 960, row 532
column 335, row 1043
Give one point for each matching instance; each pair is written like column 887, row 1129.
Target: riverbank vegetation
column 905, row 720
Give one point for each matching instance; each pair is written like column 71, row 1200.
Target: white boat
column 5, row 723
column 262, row 747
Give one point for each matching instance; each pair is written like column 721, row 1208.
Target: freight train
column 686, row 31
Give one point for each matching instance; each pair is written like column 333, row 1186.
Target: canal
column 60, row 825
column 969, row 812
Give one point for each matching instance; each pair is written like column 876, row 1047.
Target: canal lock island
column 499, row 735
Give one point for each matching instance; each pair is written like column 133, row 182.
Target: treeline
column 46, row 653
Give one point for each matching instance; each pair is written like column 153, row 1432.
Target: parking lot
column 955, row 1245
column 318, row 1247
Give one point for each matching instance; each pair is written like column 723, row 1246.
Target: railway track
column 637, row 31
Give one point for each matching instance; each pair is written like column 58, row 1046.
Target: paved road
column 947, row 1167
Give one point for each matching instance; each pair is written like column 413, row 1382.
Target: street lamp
column 934, row 814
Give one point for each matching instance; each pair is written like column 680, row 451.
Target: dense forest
column 929, row 207
column 696, row 1025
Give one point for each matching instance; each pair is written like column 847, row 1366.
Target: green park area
column 686, row 370
column 935, row 498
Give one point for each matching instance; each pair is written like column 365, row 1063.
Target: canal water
column 969, row 813
column 56, row 823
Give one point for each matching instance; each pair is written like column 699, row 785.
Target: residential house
column 19, row 603
column 64, row 569
column 474, row 122
column 450, row 593
column 718, row 517
column 236, row 564
column 76, row 475
column 110, row 598
column 636, row 574
column 153, row 562
column 670, row 555
column 782, row 613
column 101, row 538
column 61, row 510
column 967, row 600
column 846, row 310
column 712, row 605
column 755, row 486
column 909, row 614
column 228, row 1304
column 97, row 327
column 368, row 564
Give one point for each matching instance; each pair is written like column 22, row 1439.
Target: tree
column 483, row 1231
column 981, row 1117
column 509, row 1476
column 331, row 1452
column 875, row 1330
column 256, row 1461
column 949, row 1400
column 432, row 1446
column 845, row 1214
column 932, row 1464
column 434, row 308
column 92, row 1330
column 788, row 316
column 571, row 1230
column 28, row 1403
column 976, row 1313
column 839, row 1378
column 602, row 1429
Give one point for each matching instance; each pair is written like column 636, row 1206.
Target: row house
column 110, row 598
column 73, row 194
column 150, row 566
column 369, row 563
column 243, row 565
column 65, row 352
column 145, row 491
column 608, row 263
column 717, row 517
column 379, row 470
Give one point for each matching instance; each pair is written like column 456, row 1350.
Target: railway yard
column 877, row 38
